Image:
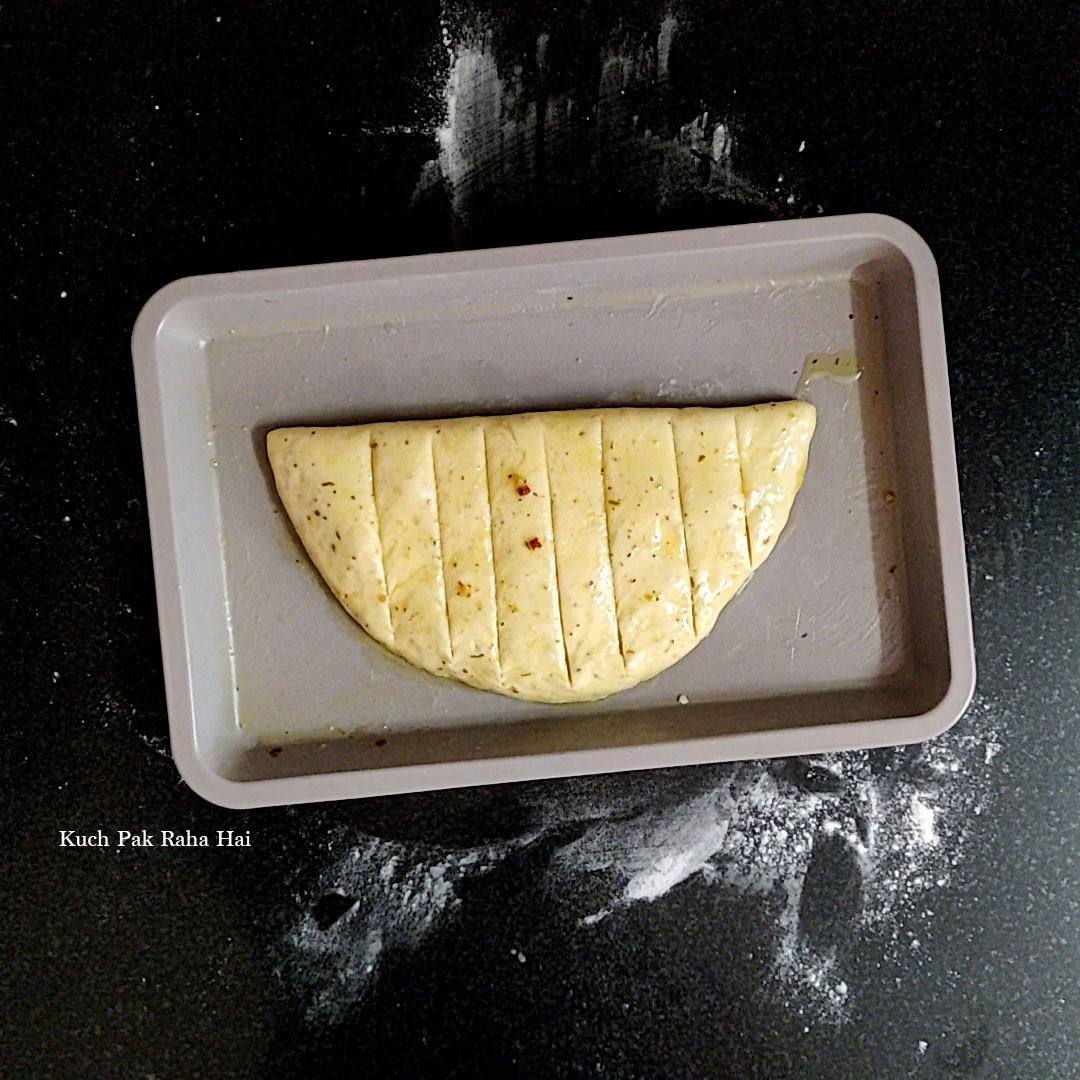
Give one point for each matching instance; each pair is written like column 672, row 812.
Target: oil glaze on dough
column 558, row 556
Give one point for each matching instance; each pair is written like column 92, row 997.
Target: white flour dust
column 836, row 849
column 509, row 135
column 893, row 836
column 380, row 894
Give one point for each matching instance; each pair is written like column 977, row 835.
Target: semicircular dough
column 558, row 556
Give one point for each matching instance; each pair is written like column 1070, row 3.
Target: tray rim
column 811, row 739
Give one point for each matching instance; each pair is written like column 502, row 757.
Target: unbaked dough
column 558, row 556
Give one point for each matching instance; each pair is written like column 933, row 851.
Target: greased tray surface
column 855, row 633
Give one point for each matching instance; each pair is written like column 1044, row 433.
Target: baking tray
column 855, row 633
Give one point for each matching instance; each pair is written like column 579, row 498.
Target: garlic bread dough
column 556, row 557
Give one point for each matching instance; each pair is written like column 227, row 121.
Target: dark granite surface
column 143, row 143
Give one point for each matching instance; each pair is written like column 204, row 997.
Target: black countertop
column 909, row 913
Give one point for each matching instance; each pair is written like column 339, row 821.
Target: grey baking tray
column 856, row 632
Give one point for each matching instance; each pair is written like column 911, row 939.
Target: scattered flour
column 383, row 894
column 668, row 25
column 760, row 830
column 504, row 136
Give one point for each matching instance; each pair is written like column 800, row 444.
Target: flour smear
column 842, row 846
column 514, row 134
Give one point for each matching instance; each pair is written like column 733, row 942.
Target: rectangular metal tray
column 856, row 633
